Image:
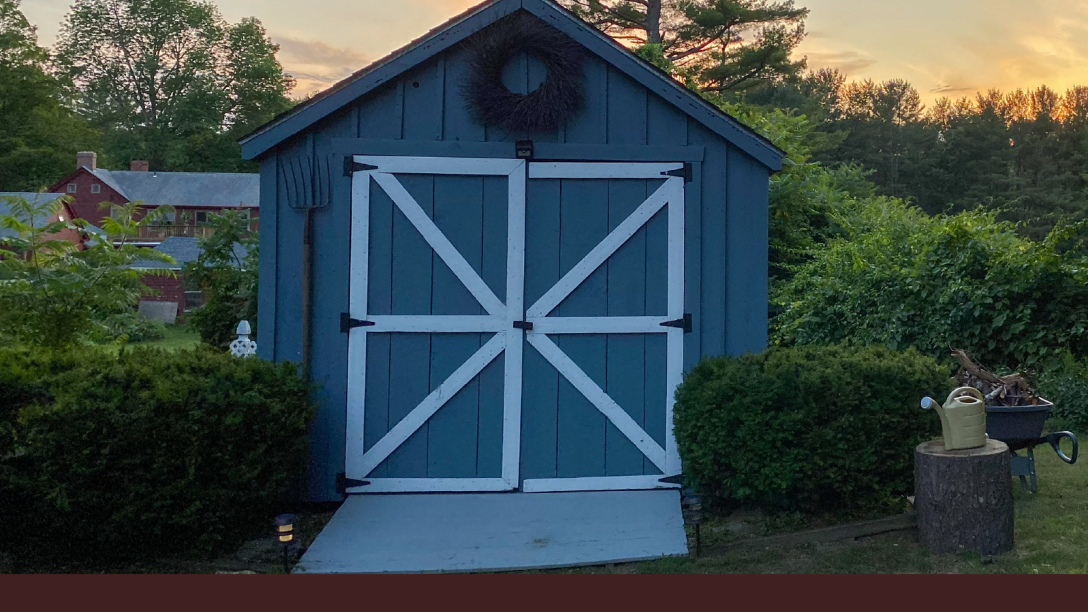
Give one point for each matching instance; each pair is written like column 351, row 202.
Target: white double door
column 509, row 322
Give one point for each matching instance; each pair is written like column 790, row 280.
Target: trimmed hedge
column 809, row 429
column 149, row 452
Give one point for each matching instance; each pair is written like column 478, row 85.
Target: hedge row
column 148, row 452
column 810, row 429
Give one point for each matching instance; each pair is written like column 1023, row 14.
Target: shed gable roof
column 475, row 19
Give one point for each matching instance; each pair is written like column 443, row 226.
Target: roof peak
column 453, row 32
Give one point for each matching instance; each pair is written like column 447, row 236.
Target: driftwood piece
column 964, row 498
column 1011, row 390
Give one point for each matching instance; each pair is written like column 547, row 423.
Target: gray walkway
column 496, row 531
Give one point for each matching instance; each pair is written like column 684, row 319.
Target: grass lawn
column 176, row 338
column 1051, row 537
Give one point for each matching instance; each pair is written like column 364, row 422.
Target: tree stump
column 964, row 498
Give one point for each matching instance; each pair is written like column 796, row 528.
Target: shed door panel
column 598, row 381
column 430, row 411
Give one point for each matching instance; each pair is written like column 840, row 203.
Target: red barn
column 194, row 196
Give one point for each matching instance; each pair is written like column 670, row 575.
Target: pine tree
column 725, row 45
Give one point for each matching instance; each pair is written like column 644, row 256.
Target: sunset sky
column 943, row 47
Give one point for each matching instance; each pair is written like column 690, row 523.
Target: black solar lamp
column 284, row 525
column 692, row 506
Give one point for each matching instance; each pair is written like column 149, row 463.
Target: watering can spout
column 963, row 418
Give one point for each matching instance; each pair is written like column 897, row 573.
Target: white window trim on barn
column 501, row 319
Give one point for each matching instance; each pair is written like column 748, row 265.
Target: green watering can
column 963, row 418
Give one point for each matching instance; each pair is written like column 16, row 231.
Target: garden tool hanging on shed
column 308, row 181
column 963, row 418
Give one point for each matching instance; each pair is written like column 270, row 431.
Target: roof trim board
column 476, row 19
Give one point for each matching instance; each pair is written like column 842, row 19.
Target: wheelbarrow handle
column 1055, row 442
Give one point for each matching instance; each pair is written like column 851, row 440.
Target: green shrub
column 1067, row 387
column 132, row 327
column 901, row 278
column 150, row 452
column 809, row 429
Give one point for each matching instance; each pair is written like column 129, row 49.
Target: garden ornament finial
column 243, row 346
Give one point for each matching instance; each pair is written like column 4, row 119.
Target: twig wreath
column 558, row 99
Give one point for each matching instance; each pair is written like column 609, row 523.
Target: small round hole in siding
column 416, row 84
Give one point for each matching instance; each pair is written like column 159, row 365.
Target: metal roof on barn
column 211, row 189
column 475, row 19
column 31, row 197
column 183, row 250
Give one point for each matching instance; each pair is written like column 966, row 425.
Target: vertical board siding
column 288, row 338
column 330, row 242
column 627, row 108
column 712, row 219
column 746, row 241
column 540, row 386
column 409, row 354
column 266, row 291
column 381, row 114
column 583, row 218
column 379, row 302
column 564, row 435
column 452, row 440
column 590, row 126
column 458, row 123
column 424, row 92
column 626, row 354
column 493, row 271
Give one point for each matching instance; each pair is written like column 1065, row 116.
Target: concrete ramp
column 474, row 532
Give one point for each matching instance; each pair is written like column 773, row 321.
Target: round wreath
column 558, row 99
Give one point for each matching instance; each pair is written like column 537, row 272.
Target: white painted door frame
column 501, row 317
column 499, row 320
column 669, row 195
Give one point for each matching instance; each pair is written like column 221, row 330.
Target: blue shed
column 488, row 309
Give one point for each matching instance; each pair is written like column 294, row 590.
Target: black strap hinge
column 677, row 479
column 347, row 323
column 684, row 323
column 526, row 325
column 351, row 166
column 343, row 483
column 684, row 173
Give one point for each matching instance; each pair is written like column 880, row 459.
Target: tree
column 54, row 293
column 38, row 135
column 170, row 81
column 226, row 271
column 726, row 45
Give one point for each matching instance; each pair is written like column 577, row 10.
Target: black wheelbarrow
column 1021, row 428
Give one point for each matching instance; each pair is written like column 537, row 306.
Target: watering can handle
column 1055, row 439
column 960, row 392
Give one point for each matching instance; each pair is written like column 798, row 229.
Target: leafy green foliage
column 722, row 45
column 39, row 136
column 128, row 327
column 901, row 278
column 227, row 273
column 809, row 429
column 55, row 293
column 1021, row 153
column 1067, row 386
column 170, row 81
column 150, row 452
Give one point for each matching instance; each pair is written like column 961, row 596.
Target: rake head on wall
column 308, row 180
